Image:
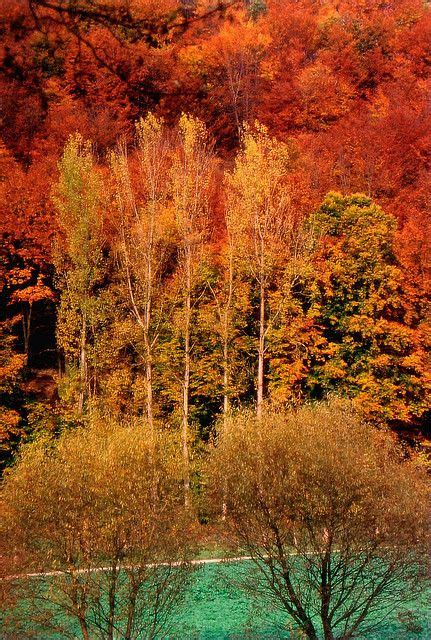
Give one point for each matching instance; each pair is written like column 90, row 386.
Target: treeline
column 186, row 290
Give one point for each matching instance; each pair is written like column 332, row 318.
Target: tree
column 334, row 520
column 230, row 307
column 230, row 66
column 78, row 258
column 11, row 373
column 102, row 508
column 144, row 235
column 26, row 231
column 374, row 349
column 270, row 238
column 26, row 298
column 190, row 184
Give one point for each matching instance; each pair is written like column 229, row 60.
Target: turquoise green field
column 214, row 610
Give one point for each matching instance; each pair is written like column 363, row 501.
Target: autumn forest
column 155, row 252
column 214, row 214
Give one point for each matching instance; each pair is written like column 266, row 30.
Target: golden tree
column 78, row 257
column 333, row 518
column 190, row 201
column 270, row 241
column 144, row 229
column 101, row 508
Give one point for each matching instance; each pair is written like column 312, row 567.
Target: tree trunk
column 26, row 325
column 309, row 630
column 186, row 382
column 79, row 606
column 326, row 595
column 149, row 390
column 131, row 608
column 226, row 377
column 261, row 350
column 226, row 325
column 226, row 402
column 148, row 364
column 226, row 407
column 82, row 366
column 148, row 312
column 84, row 630
column 112, row 601
column 327, row 630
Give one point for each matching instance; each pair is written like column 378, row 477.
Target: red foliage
column 346, row 81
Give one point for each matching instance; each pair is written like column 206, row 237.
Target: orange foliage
column 345, row 83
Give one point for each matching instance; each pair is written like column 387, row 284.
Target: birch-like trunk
column 226, row 326
column 139, row 258
column 261, row 345
column 147, row 324
column 82, row 365
column 226, row 399
column 186, row 380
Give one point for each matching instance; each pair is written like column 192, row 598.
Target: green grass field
column 214, row 610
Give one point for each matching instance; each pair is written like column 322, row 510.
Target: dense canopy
column 109, row 237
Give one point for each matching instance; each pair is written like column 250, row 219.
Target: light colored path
column 47, row 574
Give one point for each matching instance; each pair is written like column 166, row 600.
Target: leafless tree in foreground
column 107, row 498
column 333, row 519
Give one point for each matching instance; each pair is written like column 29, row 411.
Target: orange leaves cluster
column 343, row 83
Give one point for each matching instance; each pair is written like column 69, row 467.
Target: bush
column 333, row 518
column 102, row 506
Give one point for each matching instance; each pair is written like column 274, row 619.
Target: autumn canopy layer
column 211, row 204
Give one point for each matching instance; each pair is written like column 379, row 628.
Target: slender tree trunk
column 84, row 630
column 326, row 597
column 226, row 380
column 112, row 601
column 226, row 406
column 26, row 325
column 149, row 392
column 148, row 312
column 226, row 399
column 186, row 381
column 305, row 621
column 226, row 376
column 261, row 349
column 80, row 608
column 149, row 358
column 226, row 325
column 82, row 365
column 131, row 608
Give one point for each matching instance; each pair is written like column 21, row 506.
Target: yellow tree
column 230, row 307
column 262, row 220
column 144, row 232
column 190, row 187
column 332, row 517
column 78, row 256
column 101, row 506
